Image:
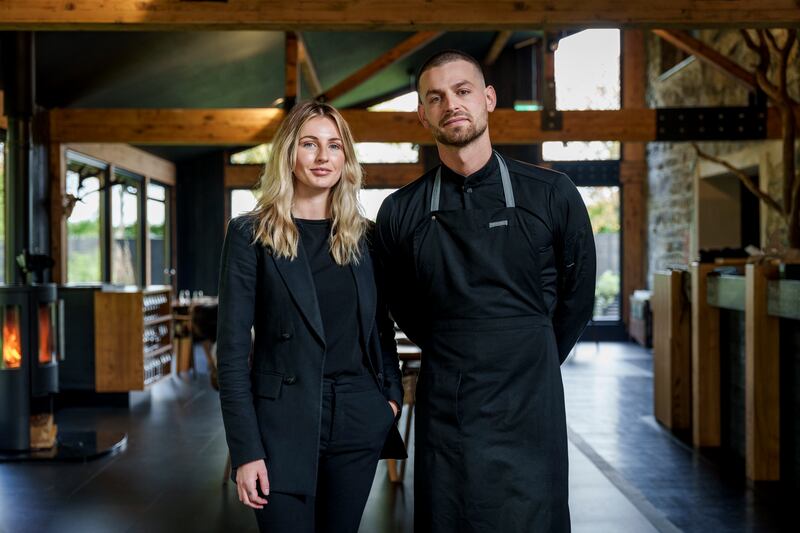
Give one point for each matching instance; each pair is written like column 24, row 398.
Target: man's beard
column 461, row 137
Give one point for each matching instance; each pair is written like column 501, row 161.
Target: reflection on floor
column 626, row 473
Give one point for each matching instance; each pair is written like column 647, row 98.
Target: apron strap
column 508, row 192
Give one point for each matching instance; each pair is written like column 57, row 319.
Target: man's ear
column 421, row 115
column 491, row 98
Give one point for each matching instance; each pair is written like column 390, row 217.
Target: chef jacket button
column 289, row 380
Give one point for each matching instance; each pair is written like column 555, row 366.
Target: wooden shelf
column 121, row 363
column 159, row 351
column 159, row 320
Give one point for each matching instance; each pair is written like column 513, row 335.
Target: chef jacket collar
column 489, row 173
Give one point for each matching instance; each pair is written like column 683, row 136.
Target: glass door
column 603, row 205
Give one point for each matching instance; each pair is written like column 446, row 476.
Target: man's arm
column 576, row 262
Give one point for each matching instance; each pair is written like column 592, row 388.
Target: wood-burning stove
column 31, row 346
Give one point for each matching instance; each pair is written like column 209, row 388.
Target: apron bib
column 491, row 450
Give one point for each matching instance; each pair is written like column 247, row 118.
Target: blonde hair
column 274, row 226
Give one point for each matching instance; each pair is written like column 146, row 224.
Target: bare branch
column 749, row 41
column 744, row 178
column 773, row 43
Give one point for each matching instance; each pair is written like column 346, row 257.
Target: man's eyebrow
column 456, row 85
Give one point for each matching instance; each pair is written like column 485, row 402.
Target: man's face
column 455, row 103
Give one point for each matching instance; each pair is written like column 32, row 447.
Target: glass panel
column 156, row 191
column 603, row 206
column 371, row 200
column 84, row 260
column 158, row 233
column 2, row 212
column 257, row 155
column 242, row 201
column 125, row 234
column 11, row 342
column 387, row 152
column 404, row 102
column 47, row 333
column 580, row 151
column 587, row 70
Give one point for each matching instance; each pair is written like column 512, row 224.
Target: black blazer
column 272, row 410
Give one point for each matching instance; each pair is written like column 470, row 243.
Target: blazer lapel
column 365, row 287
column 297, row 276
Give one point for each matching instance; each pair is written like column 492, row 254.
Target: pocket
column 267, row 384
column 439, row 410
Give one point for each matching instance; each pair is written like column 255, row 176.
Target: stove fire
column 47, row 348
column 11, row 341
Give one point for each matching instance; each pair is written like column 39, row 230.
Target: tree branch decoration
column 766, row 45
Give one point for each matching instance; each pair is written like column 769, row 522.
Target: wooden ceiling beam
column 497, row 46
column 398, row 52
column 307, row 67
column 405, row 15
column 692, row 46
column 291, row 91
column 230, row 127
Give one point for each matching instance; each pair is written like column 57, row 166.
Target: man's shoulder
column 536, row 174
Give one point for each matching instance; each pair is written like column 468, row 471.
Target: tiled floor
column 626, row 473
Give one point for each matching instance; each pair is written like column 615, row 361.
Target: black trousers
column 355, row 421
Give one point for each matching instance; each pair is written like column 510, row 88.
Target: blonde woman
column 308, row 418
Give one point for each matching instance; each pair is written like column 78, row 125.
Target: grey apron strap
column 508, row 192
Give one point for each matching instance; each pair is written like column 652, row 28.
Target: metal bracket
column 552, row 120
column 711, row 123
column 590, row 173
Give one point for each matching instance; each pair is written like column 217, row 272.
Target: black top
column 561, row 227
column 338, row 301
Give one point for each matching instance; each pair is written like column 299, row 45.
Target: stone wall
column 673, row 167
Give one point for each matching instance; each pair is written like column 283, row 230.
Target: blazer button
column 380, row 376
column 286, row 336
column 289, row 380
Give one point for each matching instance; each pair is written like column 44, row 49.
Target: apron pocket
column 439, row 410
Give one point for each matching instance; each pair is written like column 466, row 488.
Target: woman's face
column 320, row 156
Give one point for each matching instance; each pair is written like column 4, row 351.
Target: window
column 115, row 224
column 126, row 229
column 587, row 77
column 158, row 216
column 85, row 179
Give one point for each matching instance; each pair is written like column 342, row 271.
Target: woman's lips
column 321, row 171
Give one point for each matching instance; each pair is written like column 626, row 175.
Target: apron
column 491, row 448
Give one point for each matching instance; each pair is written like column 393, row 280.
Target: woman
column 308, row 418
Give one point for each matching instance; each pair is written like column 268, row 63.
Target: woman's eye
column 308, row 144
column 336, row 147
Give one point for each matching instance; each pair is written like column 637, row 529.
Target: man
column 488, row 264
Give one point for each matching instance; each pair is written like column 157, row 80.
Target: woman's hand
column 394, row 407
column 247, row 477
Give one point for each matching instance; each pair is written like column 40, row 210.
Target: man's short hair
column 446, row 56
